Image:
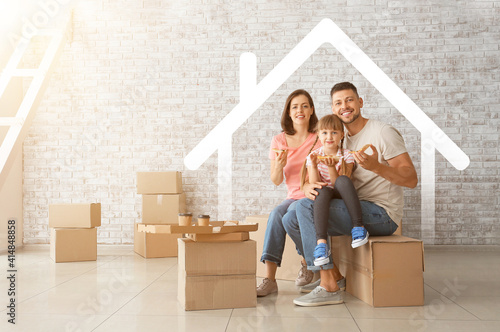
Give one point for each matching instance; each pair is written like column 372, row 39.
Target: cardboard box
column 73, row 244
column 216, row 291
column 154, row 183
column 215, row 259
column 290, row 262
column 385, row 272
column 155, row 245
column 162, row 209
column 75, row 215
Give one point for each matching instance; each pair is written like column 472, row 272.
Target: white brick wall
column 142, row 82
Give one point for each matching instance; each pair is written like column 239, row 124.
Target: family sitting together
column 339, row 183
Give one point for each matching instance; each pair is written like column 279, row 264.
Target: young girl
column 333, row 165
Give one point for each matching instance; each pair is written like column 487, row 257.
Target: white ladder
column 21, row 122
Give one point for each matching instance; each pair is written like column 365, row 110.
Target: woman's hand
column 281, row 159
column 309, row 189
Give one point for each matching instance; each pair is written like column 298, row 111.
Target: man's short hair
column 343, row 86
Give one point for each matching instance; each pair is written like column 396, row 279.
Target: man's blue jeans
column 275, row 237
column 302, row 231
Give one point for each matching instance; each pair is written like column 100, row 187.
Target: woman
column 288, row 152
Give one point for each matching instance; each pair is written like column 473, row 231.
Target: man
column 382, row 171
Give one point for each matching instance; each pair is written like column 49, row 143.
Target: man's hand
column 309, row 189
column 369, row 162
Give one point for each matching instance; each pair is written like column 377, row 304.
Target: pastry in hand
column 336, row 158
column 362, row 149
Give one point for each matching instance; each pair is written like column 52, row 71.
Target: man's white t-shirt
column 370, row 186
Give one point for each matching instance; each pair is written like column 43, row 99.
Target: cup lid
column 203, row 216
column 185, row 214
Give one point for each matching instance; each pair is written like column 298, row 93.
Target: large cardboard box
column 73, row 244
column 150, row 245
column 75, row 215
column 217, row 258
column 153, row 183
column 162, row 209
column 290, row 262
column 385, row 272
column 216, row 275
column 217, row 291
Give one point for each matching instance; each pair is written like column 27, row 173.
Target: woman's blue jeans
column 274, row 239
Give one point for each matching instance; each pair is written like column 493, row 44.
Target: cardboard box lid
column 217, row 258
column 220, row 237
column 176, row 229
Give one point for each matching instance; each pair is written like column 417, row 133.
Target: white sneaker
column 319, row 296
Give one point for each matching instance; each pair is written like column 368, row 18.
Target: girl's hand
column 330, row 162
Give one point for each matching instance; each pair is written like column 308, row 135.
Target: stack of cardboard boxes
column 216, row 275
column 73, row 232
column 162, row 201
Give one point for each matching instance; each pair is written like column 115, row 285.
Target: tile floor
column 122, row 291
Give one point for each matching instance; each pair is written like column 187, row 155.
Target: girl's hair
column 286, row 120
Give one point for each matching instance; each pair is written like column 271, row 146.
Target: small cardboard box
column 162, row 209
column 216, row 291
column 75, row 215
column 155, row 245
column 385, row 272
column 217, row 258
column 290, row 262
column 73, row 244
column 155, row 183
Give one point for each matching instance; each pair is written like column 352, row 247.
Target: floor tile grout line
column 62, row 283
column 229, row 320
column 352, row 316
column 451, row 300
column 138, row 293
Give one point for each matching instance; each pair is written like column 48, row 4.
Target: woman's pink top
column 295, row 160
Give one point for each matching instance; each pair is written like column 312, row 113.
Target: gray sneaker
column 305, row 276
column 319, row 296
column 309, row 288
column 267, row 287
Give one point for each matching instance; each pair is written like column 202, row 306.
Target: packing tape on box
column 159, row 199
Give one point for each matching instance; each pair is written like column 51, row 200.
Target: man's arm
column 400, row 170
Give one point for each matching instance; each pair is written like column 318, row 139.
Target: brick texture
column 142, row 82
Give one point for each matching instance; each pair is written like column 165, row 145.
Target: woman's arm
column 277, row 166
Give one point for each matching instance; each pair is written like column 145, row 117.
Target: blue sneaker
column 321, row 254
column 359, row 236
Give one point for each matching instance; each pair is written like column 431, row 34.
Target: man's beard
column 354, row 118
